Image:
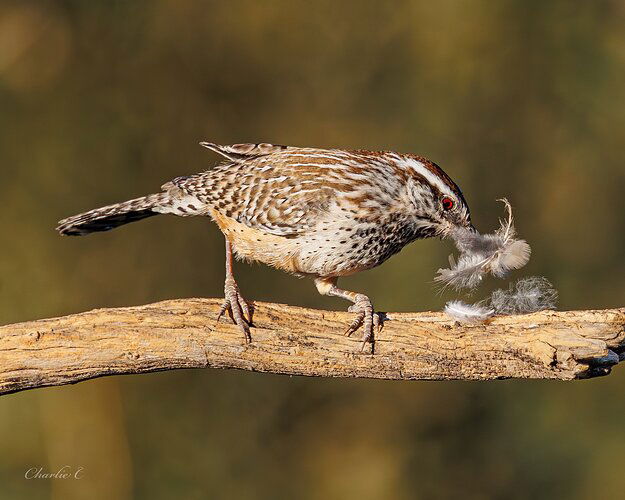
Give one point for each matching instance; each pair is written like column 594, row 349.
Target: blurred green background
column 102, row 101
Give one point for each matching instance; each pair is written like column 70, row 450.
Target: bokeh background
column 102, row 101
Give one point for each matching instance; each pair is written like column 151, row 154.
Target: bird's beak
column 461, row 222
column 464, row 223
column 449, row 229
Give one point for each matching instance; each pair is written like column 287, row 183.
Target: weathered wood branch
column 292, row 340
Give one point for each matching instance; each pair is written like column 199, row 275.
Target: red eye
column 448, row 203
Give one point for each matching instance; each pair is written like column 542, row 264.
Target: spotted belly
column 335, row 248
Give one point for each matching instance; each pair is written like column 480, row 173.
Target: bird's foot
column 365, row 318
column 237, row 307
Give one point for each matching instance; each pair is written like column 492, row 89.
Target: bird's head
column 439, row 204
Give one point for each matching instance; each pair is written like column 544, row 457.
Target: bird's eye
column 448, row 203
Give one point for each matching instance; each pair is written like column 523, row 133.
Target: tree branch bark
column 291, row 340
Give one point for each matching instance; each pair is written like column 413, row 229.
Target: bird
column 318, row 213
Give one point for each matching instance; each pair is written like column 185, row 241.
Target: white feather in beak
column 481, row 254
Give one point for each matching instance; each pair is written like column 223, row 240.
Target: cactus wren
column 323, row 213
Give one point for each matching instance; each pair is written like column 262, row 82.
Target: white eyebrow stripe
column 429, row 176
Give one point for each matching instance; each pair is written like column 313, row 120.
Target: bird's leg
column 234, row 303
column 362, row 305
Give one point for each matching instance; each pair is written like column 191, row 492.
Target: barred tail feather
column 112, row 216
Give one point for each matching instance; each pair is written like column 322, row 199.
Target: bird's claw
column 365, row 318
column 237, row 307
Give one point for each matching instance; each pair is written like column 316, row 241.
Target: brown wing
column 238, row 152
column 278, row 189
